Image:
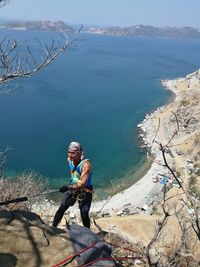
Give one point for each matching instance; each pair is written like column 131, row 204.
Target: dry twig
column 15, row 65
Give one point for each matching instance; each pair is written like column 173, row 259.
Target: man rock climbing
column 80, row 187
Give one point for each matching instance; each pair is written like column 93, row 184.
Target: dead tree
column 4, row 2
column 14, row 65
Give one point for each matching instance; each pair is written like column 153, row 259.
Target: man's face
column 75, row 156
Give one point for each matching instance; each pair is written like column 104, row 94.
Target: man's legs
column 84, row 207
column 67, row 201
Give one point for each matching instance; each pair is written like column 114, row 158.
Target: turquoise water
column 96, row 94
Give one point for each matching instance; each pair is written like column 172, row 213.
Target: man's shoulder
column 87, row 163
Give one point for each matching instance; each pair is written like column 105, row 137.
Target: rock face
column 26, row 241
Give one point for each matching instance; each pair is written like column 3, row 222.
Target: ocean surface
column 96, row 94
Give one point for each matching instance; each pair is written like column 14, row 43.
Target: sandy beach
column 136, row 196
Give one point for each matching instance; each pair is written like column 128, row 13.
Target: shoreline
column 145, row 191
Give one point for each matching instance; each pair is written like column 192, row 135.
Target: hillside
column 48, row 25
column 147, row 31
column 136, row 30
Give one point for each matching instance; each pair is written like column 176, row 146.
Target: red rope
column 103, row 259
column 73, row 255
column 110, row 259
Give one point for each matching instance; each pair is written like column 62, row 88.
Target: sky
column 107, row 12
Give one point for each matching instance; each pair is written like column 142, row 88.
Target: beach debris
column 190, row 161
column 132, row 211
column 167, row 183
column 179, row 152
column 120, row 213
column 155, row 179
column 105, row 214
column 137, row 262
column 126, row 210
column 164, row 180
column 175, row 184
column 145, row 207
column 191, row 211
column 127, row 205
column 129, row 209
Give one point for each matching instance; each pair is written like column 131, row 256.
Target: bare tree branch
column 13, row 67
column 177, row 123
column 162, row 148
column 4, row 2
column 172, row 137
column 160, row 226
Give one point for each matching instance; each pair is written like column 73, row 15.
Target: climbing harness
column 78, row 194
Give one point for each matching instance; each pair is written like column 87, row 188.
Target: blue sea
column 96, row 94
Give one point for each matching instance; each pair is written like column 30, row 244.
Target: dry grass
column 124, row 248
column 29, row 184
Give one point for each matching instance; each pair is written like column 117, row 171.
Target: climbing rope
column 108, row 259
column 21, row 199
column 71, row 257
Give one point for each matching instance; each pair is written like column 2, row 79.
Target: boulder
column 81, row 238
column 27, row 241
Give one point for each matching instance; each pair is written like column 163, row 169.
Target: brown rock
column 26, row 241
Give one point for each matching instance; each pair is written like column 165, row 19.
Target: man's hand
column 64, row 188
column 71, row 187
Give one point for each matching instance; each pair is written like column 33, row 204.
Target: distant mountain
column 37, row 26
column 148, row 31
column 137, row 30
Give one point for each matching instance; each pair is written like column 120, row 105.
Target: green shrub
column 185, row 102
